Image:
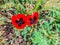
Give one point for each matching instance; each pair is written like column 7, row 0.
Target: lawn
column 45, row 32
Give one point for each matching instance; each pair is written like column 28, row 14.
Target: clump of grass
column 47, row 29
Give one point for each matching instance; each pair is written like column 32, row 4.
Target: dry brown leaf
column 1, row 33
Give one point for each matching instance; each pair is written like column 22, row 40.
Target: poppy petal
column 35, row 15
column 29, row 18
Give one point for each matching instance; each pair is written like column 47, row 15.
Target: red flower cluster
column 20, row 20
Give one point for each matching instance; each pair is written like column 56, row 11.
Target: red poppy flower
column 32, row 19
column 19, row 21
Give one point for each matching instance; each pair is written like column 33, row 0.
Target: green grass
column 48, row 26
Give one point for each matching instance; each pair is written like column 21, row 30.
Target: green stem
column 37, row 5
column 39, row 2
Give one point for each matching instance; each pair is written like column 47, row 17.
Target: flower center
column 21, row 18
column 32, row 20
column 20, row 21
